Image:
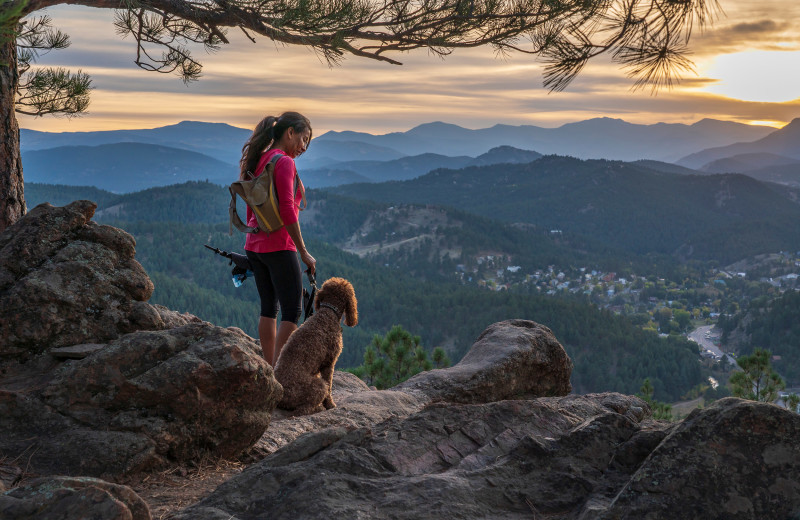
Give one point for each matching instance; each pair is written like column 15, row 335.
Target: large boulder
column 96, row 381
column 65, row 280
column 64, row 498
column 510, row 360
column 734, row 460
column 145, row 399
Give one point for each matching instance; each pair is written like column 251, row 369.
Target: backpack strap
column 297, row 185
column 234, row 216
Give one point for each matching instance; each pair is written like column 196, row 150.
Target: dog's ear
column 351, row 307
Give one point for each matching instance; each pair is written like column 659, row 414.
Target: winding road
column 698, row 335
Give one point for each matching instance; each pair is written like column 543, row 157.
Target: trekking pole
column 242, row 268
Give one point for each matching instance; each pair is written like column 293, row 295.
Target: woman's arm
column 297, row 238
column 284, row 184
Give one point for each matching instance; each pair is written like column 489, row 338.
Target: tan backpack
column 260, row 195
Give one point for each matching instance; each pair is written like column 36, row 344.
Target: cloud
column 758, row 28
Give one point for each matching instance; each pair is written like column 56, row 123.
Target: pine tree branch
column 646, row 37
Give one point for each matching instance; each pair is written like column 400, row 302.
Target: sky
column 747, row 69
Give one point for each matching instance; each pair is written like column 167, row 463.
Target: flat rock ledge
column 596, row 456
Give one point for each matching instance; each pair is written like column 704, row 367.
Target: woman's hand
column 309, row 261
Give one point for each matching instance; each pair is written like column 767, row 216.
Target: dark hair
column 269, row 130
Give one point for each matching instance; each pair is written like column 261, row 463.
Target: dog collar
column 332, row 307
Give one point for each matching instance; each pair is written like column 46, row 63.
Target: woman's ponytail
column 261, row 138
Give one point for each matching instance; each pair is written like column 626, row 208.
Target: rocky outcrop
column 96, row 381
column 446, row 444
column 145, row 399
column 510, row 360
column 734, row 460
column 68, row 498
column 357, row 407
column 65, row 280
column 113, row 385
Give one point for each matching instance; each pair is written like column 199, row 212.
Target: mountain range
column 218, row 140
column 210, row 151
column 123, row 167
column 594, row 138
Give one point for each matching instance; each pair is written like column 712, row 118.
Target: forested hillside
column 355, row 224
column 626, row 206
column 772, row 325
column 609, row 352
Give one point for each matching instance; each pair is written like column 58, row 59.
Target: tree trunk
column 12, row 199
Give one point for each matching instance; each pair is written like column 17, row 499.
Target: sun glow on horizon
column 773, row 124
column 759, row 76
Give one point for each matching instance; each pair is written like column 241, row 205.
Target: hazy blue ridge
column 123, row 167
column 218, row 140
column 779, row 142
column 594, row 138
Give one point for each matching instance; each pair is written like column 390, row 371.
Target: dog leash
column 308, row 297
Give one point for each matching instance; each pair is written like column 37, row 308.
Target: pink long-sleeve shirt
column 288, row 206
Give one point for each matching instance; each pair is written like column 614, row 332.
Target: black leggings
column 278, row 280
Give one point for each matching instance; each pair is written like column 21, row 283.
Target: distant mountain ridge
column 409, row 167
column 784, row 142
column 123, row 167
column 593, row 138
column 218, row 140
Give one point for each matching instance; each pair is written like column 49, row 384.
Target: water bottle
column 239, row 278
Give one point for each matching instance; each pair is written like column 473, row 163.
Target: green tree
column 646, row 37
column 683, row 317
column 43, row 91
column 664, row 317
column 662, row 411
column 792, row 401
column 757, row 380
column 394, row 358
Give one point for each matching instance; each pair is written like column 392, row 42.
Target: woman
column 274, row 255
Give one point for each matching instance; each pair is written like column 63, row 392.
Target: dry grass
column 683, row 408
column 173, row 489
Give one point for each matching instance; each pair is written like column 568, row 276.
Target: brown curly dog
column 305, row 367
